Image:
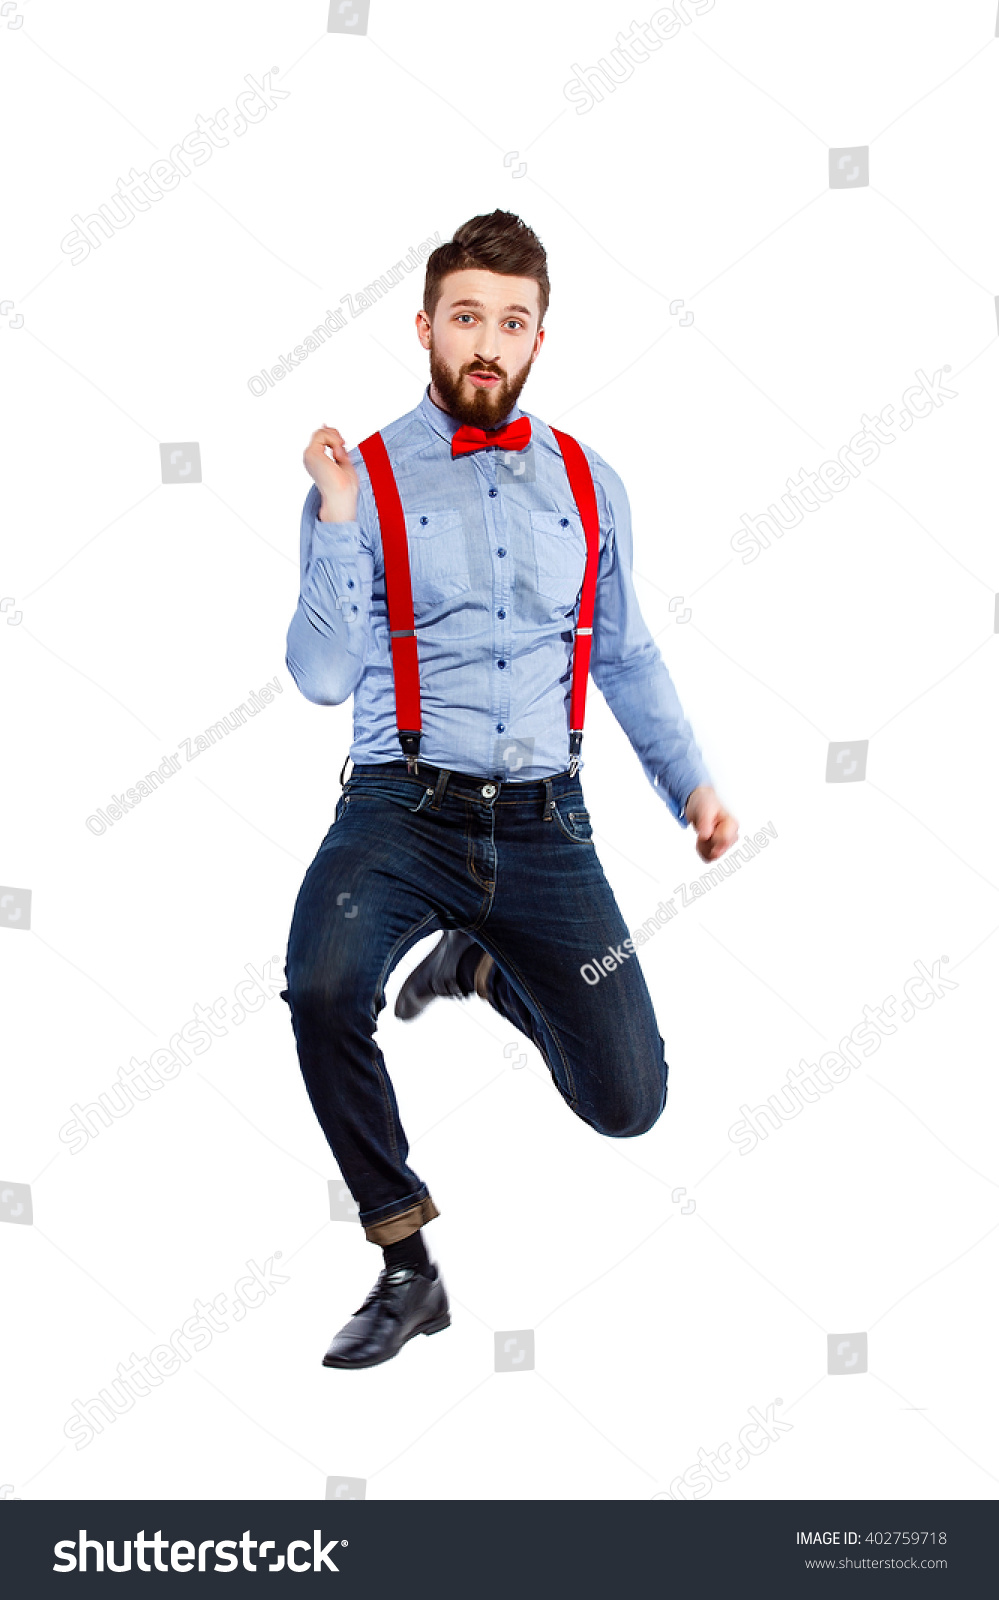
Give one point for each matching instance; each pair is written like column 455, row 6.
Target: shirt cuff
column 679, row 788
column 346, row 534
column 337, row 545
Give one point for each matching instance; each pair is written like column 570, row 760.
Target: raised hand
column 333, row 474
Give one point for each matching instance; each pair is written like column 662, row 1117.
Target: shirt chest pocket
column 438, row 556
column 559, row 555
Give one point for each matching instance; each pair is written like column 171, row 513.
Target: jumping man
column 461, row 571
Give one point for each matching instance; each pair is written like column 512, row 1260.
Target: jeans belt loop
column 549, row 800
column 443, row 775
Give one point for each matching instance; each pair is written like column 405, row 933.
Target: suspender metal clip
column 410, row 741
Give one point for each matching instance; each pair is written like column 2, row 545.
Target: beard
column 484, row 408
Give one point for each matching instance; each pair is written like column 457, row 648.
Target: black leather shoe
column 436, row 977
column 402, row 1304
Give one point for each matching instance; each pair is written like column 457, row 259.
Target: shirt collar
column 445, row 425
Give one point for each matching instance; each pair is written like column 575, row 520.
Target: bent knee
column 628, row 1122
column 635, row 1098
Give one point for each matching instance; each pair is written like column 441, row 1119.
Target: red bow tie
column 515, row 436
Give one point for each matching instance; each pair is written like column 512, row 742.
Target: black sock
column 465, row 970
column 409, row 1252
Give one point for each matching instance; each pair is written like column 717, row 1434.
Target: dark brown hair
column 497, row 241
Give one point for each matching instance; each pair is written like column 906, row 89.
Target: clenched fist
column 716, row 828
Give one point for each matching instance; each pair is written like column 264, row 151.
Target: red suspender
column 581, row 483
column 399, row 592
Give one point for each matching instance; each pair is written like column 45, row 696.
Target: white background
column 147, row 611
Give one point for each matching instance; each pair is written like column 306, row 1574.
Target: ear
column 423, row 329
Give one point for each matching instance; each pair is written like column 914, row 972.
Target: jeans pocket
column 338, row 815
column 575, row 824
column 409, row 793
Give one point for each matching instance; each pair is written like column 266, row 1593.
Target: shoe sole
column 428, row 1327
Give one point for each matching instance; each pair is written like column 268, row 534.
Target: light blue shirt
column 497, row 552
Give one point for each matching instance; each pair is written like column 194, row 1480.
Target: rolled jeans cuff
column 391, row 1229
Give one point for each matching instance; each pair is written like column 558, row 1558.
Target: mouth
column 483, row 380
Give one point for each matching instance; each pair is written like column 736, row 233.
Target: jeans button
column 488, row 790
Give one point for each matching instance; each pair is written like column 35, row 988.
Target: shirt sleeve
column 327, row 638
column 626, row 664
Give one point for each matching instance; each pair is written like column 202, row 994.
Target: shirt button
column 501, row 727
column 501, row 551
column 501, row 665
column 488, row 790
column 424, row 521
column 350, row 583
column 501, row 614
column 563, row 523
column 493, row 493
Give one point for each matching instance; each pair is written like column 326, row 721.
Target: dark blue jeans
column 512, row 864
